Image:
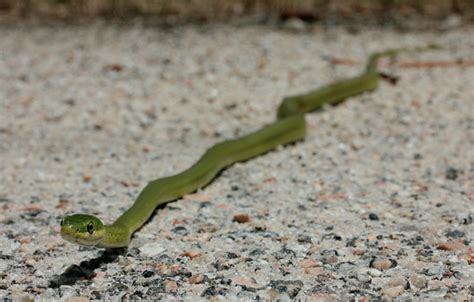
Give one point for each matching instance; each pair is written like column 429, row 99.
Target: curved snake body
column 289, row 127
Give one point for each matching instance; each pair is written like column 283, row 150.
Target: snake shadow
column 85, row 269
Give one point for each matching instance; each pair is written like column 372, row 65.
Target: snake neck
column 115, row 236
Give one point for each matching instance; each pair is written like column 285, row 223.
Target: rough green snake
column 289, row 127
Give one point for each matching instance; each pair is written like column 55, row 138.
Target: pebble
column 451, row 173
column 358, row 251
column 455, row 234
column 152, row 249
column 3, row 266
column 418, row 281
column 393, row 292
column 245, row 282
column 373, row 216
column 21, row 296
column 30, row 262
column 453, row 259
column 307, row 263
column 191, row 254
column 396, row 281
column 67, row 291
column 374, row 272
column 437, row 293
column 292, row 288
column 171, row 286
column 241, row 218
column 328, row 256
column 434, row 270
column 148, row 274
column 197, row 279
column 363, row 278
column 451, row 245
column 382, row 264
column 295, row 24
column 77, row 299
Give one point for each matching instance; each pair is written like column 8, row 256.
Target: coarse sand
column 377, row 201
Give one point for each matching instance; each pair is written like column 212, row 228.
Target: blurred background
column 215, row 10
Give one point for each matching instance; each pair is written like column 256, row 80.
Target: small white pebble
column 152, row 249
column 393, row 292
column 453, row 259
column 374, row 272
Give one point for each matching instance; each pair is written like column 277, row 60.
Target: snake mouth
column 77, row 238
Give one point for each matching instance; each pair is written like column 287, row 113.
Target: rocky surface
column 378, row 201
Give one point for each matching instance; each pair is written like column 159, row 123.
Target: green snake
column 289, row 127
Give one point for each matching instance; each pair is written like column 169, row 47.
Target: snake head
column 82, row 229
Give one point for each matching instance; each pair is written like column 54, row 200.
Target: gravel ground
column 377, row 201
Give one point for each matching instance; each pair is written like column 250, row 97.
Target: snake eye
column 90, row 228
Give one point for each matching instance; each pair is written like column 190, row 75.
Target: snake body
column 289, row 127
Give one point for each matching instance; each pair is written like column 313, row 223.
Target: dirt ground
column 377, row 201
